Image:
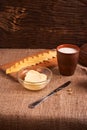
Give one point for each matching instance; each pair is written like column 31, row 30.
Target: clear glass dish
column 34, row 85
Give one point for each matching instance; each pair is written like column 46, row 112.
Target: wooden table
column 62, row 111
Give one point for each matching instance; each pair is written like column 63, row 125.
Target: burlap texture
column 63, row 111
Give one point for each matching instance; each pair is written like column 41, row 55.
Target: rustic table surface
column 66, row 110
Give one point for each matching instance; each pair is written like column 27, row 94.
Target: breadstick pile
column 33, row 60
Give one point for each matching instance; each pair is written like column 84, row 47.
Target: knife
column 34, row 104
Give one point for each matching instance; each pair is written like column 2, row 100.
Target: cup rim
column 68, row 45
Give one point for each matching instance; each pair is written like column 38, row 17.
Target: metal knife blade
column 34, row 104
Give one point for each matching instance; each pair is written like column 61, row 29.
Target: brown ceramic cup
column 67, row 57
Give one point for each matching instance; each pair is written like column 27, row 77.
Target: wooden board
column 42, row 23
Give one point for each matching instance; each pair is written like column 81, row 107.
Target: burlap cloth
column 66, row 110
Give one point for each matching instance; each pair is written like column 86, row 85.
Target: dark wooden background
column 42, row 23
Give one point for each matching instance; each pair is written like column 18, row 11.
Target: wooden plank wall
column 42, row 23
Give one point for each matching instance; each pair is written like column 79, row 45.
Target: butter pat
column 35, row 76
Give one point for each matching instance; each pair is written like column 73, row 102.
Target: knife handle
column 34, row 104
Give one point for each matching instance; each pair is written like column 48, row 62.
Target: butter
column 35, row 76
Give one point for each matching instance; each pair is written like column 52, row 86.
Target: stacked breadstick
column 31, row 60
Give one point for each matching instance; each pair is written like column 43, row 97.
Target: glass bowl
column 34, row 85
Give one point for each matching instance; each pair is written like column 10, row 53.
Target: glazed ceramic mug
column 67, row 57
